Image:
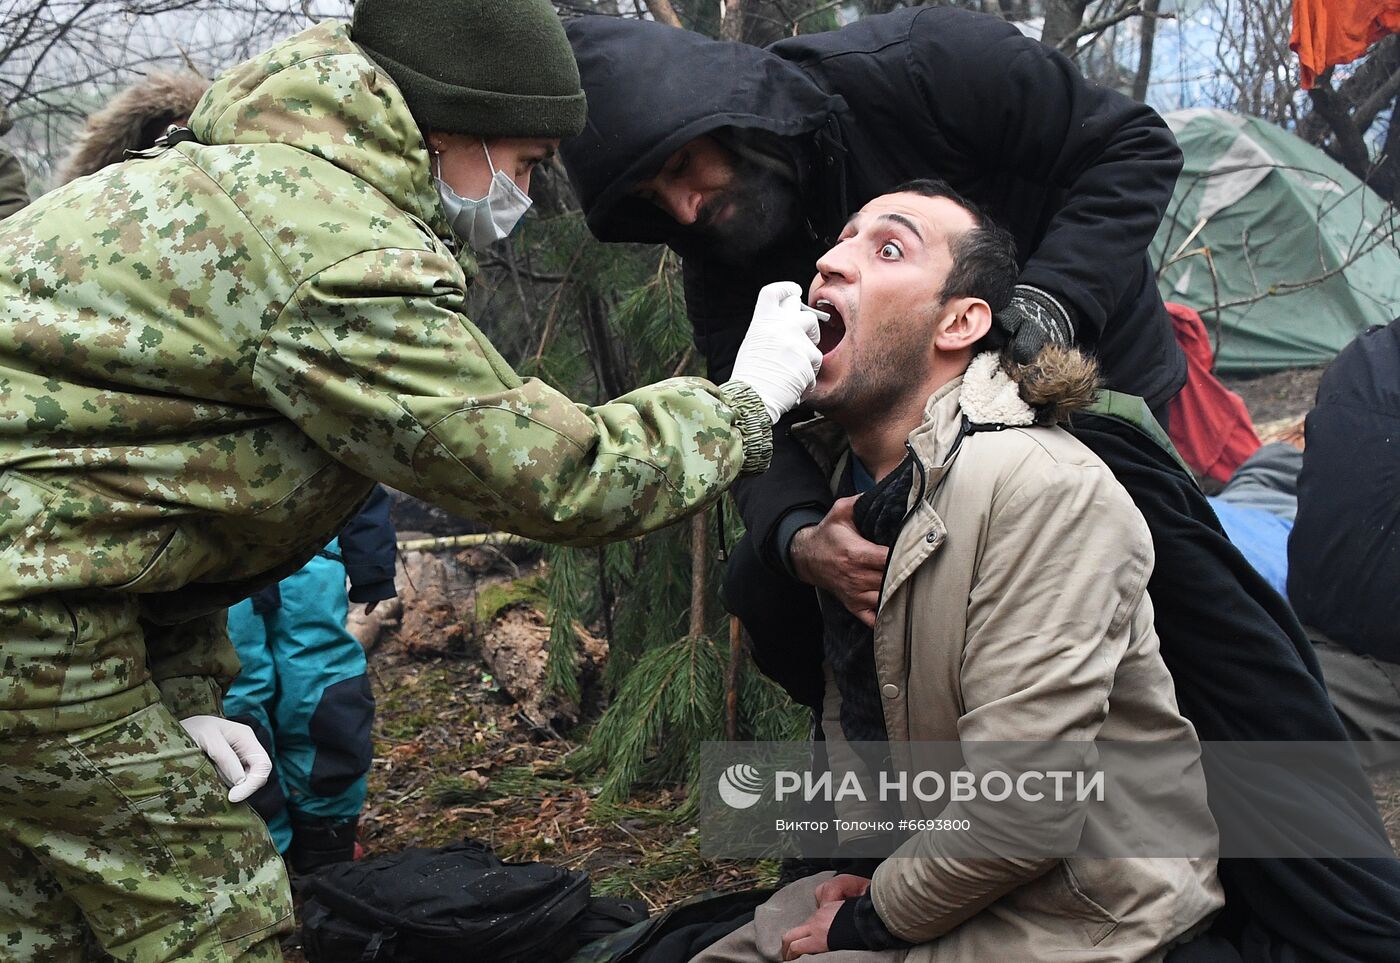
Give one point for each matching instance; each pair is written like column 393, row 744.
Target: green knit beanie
column 497, row 68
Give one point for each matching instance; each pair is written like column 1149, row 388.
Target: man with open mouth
column 749, row 161
column 994, row 516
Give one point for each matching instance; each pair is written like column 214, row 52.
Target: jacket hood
column 1058, row 383
column 318, row 92
column 992, row 395
column 133, row 120
column 652, row 88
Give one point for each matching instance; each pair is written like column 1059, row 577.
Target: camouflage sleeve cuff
column 755, row 427
column 191, row 695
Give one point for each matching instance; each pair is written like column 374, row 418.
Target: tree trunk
column 1062, row 18
column 697, row 575
column 1149, row 36
column 663, row 12
column 731, row 681
column 1358, row 91
column 602, row 346
column 1348, row 144
column 1385, row 176
column 731, row 19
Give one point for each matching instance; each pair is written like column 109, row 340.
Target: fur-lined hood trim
column 1059, row 382
column 133, row 120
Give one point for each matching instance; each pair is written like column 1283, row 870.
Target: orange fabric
column 1330, row 32
column 1209, row 424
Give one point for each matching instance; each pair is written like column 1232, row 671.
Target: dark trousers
column 1243, row 670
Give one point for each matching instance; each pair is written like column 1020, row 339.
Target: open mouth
column 832, row 331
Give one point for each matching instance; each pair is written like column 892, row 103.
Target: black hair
column 984, row 258
column 1061, row 379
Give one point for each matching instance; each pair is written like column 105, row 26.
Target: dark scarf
column 848, row 643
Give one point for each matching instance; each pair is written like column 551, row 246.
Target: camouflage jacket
column 209, row 352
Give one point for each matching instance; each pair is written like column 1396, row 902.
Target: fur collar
column 990, row 397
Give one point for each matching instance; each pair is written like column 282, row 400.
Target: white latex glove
column 243, row 763
column 779, row 357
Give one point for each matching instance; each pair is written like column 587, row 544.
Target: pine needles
column 668, row 704
column 567, row 608
column 597, row 321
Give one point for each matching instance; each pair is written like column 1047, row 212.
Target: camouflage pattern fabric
column 207, row 354
column 122, row 835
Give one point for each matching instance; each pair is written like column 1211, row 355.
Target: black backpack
column 453, row 903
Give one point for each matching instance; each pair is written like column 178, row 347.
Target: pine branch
column 565, row 585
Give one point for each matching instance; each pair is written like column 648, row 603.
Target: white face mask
column 484, row 220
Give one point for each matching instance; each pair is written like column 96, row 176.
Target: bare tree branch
column 1349, row 145
column 1370, row 74
column 1071, row 40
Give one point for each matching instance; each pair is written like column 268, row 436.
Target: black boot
column 319, row 842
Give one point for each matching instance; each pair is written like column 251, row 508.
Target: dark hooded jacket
column 1344, row 551
column 1079, row 174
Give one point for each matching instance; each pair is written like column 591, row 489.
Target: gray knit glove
column 1033, row 320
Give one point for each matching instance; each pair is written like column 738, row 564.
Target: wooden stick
column 731, row 682
column 464, row 541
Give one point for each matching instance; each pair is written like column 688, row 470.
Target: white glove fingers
column 243, row 790
column 774, row 359
column 252, row 754
column 242, row 763
column 225, row 760
column 783, row 291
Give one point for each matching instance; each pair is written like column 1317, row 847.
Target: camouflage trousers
column 121, row 836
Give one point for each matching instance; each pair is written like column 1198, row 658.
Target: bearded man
column 750, row 168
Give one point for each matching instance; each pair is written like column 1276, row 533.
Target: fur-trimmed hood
column 133, row 120
column 1058, row 383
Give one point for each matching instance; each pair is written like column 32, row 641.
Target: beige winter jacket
column 1015, row 609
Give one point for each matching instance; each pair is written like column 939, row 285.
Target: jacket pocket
column 56, row 536
column 148, row 759
column 24, row 504
column 147, row 575
column 1061, row 906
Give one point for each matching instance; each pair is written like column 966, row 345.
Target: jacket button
column 931, row 537
column 889, row 690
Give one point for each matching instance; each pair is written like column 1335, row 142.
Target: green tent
column 1302, row 255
